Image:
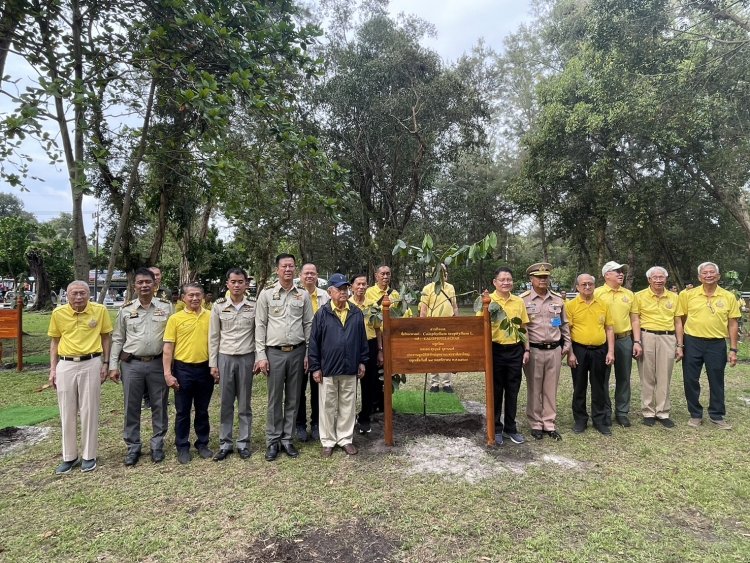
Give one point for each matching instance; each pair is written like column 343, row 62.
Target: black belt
column 146, row 358
column 597, row 347
column 287, row 348
column 706, row 339
column 545, row 345
column 657, row 331
column 506, row 345
column 80, row 358
column 194, row 365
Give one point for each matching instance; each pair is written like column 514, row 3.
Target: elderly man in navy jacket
column 337, row 357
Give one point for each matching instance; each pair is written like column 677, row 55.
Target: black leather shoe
column 555, row 435
column 537, row 434
column 623, row 421
column 579, row 427
column 666, row 422
column 132, row 458
column 205, row 452
column 157, row 456
column 290, row 450
column 272, row 452
column 649, row 420
column 183, row 456
column 221, row 455
column 244, row 453
column 604, row 430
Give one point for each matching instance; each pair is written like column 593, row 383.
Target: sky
column 459, row 25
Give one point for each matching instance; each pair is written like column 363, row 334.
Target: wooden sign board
column 437, row 345
column 11, row 326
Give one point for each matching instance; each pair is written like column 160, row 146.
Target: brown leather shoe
column 350, row 449
column 326, row 452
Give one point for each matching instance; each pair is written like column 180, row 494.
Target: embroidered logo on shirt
column 92, row 323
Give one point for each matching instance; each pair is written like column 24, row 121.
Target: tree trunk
column 38, row 270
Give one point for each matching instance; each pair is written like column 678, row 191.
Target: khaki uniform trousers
column 655, row 369
column 78, row 391
column 542, row 377
column 337, row 400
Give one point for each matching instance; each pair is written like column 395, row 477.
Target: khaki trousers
column 655, row 369
column 542, row 376
column 440, row 379
column 337, row 400
column 78, row 391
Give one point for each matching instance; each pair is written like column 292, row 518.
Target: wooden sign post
column 437, row 344
column 11, row 326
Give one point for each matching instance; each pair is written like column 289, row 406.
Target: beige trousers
column 337, row 401
column 440, row 379
column 542, row 376
column 655, row 369
column 79, row 391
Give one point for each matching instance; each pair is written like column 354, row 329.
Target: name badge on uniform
column 556, row 321
column 159, row 313
column 133, row 314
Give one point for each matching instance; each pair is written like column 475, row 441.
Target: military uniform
column 549, row 336
column 137, row 343
column 231, row 348
column 283, row 321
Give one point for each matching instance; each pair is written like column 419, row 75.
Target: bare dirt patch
column 351, row 542
column 14, row 439
column 695, row 523
column 455, row 446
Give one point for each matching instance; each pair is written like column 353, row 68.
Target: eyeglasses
column 586, row 284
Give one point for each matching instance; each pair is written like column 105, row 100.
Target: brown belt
column 625, row 334
column 657, row 331
column 146, row 358
column 287, row 348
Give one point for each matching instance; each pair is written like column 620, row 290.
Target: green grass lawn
column 644, row 494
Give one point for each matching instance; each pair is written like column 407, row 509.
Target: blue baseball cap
column 338, row 280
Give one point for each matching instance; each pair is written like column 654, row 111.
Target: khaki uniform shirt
column 282, row 318
column 231, row 329
column 139, row 330
column 548, row 320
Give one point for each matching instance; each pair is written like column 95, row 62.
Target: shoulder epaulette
column 221, row 300
column 251, row 298
column 129, row 303
column 525, row 293
column 555, row 294
column 164, row 300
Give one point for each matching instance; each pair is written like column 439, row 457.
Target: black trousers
column 370, row 384
column 302, row 408
column 196, row 388
column 507, row 369
column 591, row 369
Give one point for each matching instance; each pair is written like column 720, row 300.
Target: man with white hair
column 80, row 335
column 619, row 300
column 710, row 314
column 658, row 342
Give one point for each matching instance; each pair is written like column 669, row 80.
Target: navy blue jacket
column 337, row 349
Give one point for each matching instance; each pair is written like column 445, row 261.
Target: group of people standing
column 602, row 330
column 300, row 336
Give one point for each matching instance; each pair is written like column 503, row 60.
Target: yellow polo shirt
column 79, row 333
column 657, row 312
column 438, row 305
column 189, row 333
column 369, row 329
column 513, row 307
column 620, row 303
column 341, row 313
column 707, row 317
column 587, row 321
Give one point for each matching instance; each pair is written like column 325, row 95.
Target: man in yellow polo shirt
column 80, row 335
column 591, row 351
column 509, row 355
column 657, row 339
column 442, row 304
column 371, row 385
column 620, row 301
column 186, row 371
column 710, row 314
column 308, row 277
